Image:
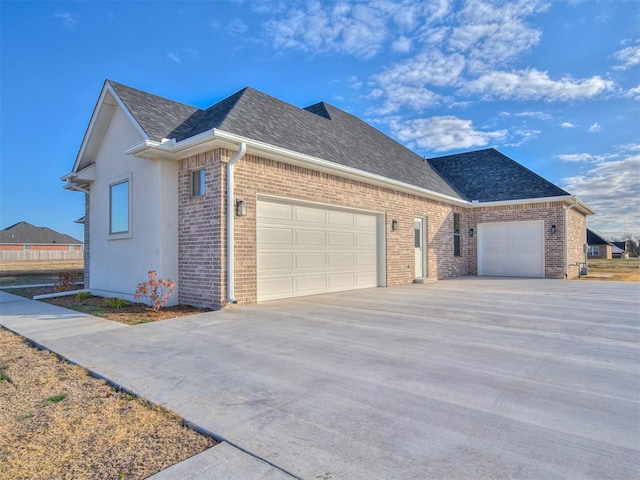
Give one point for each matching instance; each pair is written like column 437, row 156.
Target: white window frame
column 129, row 232
column 594, row 251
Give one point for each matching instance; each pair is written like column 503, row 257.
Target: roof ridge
column 167, row 99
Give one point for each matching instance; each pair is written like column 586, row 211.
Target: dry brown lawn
column 27, row 267
column 56, row 421
column 616, row 269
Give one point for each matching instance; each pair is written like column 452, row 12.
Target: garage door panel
column 341, row 281
column 275, row 287
column 276, row 236
column 275, row 261
column 341, row 218
column 341, row 260
column 310, row 260
column 310, row 238
column 304, row 250
column 275, row 211
column 364, row 240
column 369, row 222
column 310, row 215
column 365, row 280
column 310, row 283
column 511, row 249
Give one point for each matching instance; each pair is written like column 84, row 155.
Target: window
column 119, row 207
column 594, row 251
column 197, row 183
column 27, row 247
column 72, row 247
column 456, row 234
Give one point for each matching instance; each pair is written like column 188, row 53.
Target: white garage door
column 511, row 249
column 306, row 250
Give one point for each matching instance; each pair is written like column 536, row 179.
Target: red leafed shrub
column 156, row 291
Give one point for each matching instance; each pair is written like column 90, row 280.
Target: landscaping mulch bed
column 131, row 314
column 56, row 421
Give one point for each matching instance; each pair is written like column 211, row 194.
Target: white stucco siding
column 119, row 263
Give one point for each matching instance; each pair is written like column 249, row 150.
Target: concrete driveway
column 466, row 378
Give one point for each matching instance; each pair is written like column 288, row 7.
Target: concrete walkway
column 43, row 324
column 466, row 378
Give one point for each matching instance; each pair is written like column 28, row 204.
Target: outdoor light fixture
column 553, row 229
column 471, row 232
column 241, row 208
column 394, row 225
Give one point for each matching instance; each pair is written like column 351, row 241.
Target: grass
column 614, row 269
column 87, row 430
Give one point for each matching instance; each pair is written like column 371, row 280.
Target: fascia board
column 100, row 105
column 560, row 198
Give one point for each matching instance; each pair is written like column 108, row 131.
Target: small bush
column 155, row 291
column 83, row 295
column 115, row 302
column 66, row 281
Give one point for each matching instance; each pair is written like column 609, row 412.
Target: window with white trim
column 198, row 183
column 594, row 251
column 119, row 208
column 456, row 235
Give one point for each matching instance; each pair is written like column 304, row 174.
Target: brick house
column 254, row 199
column 23, row 241
column 598, row 246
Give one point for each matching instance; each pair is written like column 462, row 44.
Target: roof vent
column 475, row 201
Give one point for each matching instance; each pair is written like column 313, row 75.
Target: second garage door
column 511, row 249
column 307, row 249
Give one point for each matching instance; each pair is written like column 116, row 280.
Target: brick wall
column 577, row 238
column 200, row 243
column 552, row 214
column 255, row 175
column 202, row 233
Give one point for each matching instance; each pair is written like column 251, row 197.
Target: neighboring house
column 24, row 241
column 254, row 199
column 598, row 246
column 619, row 250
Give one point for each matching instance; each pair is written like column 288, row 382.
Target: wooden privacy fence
column 8, row 255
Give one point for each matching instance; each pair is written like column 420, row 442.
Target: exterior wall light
column 471, row 232
column 553, row 229
column 241, row 208
column 394, row 225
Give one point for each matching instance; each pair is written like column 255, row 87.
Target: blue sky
column 555, row 85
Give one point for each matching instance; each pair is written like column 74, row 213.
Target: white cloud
column 443, row 133
column 236, row 27
column 580, row 157
column 595, row 128
column 567, row 125
column 491, row 33
column 533, row 84
column 610, row 188
column 401, row 45
column 538, row 115
column 173, row 57
column 633, row 93
column 629, row 56
column 68, row 19
column 356, row 29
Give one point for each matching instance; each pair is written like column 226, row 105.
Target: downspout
column 566, row 236
column 230, row 222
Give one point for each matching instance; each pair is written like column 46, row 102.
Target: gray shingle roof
column 24, row 233
column 321, row 131
column 594, row 239
column 324, row 131
column 490, row 176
